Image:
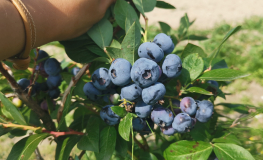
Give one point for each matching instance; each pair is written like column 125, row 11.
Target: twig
column 81, row 154
column 33, row 105
column 235, row 123
column 146, row 28
column 38, row 155
column 57, row 134
column 116, row 30
column 72, row 83
column 34, row 74
column 134, row 157
column 23, row 127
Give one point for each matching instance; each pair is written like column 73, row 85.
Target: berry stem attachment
column 106, row 52
column 146, row 28
column 171, row 105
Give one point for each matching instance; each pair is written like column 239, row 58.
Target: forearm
column 53, row 19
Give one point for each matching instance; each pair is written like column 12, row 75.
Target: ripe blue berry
column 108, row 116
column 215, row 83
column 182, row 122
column 138, row 124
column 162, row 116
column 54, row 93
column 24, row 83
column 100, row 78
column 42, row 56
column 54, row 81
column 172, row 66
column 142, row 109
column 165, row 42
column 205, row 110
column 75, row 70
column 119, row 72
column 153, row 93
column 131, row 92
column 146, row 129
column 52, row 67
column 188, row 105
column 145, row 72
column 41, row 86
column 169, row 131
column 92, row 92
column 150, row 51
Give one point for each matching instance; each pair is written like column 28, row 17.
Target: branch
column 33, row 105
column 57, row 134
column 23, row 127
column 81, row 154
column 146, row 146
column 138, row 143
column 72, row 83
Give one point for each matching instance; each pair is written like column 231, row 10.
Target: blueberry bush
column 132, row 97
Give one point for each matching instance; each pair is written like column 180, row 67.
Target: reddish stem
column 57, row 134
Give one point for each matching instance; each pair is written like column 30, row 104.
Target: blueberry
column 119, row 72
column 146, row 129
column 162, row 116
column 145, row 72
column 131, row 92
column 182, row 122
column 52, row 67
column 165, row 42
column 40, row 68
column 75, row 70
column 204, row 111
column 44, row 105
column 54, row 93
column 143, row 110
column 42, row 56
column 41, row 87
column 188, row 105
column 169, row 131
column 108, row 116
column 54, row 81
column 172, row 66
column 101, row 79
column 24, row 83
column 150, row 51
column 138, row 124
column 215, row 83
column 176, row 103
column 92, row 92
column 153, row 93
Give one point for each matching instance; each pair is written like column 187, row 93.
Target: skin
column 50, row 17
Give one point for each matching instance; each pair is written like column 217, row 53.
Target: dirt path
column 207, row 12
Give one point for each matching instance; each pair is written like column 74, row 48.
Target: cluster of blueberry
column 49, row 68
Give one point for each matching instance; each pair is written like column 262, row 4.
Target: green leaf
column 227, row 138
column 230, row 33
column 231, row 151
column 101, row 33
column 148, row 5
column 107, row 143
column 125, row 126
column 139, row 6
column 165, row 5
column 65, row 146
column 191, row 48
column 241, row 108
column 30, row 117
column 165, row 28
column 195, row 38
column 184, row 25
column 114, row 52
column 223, row 75
column 199, row 90
column 125, row 15
column 66, row 110
column 3, row 131
column 79, row 89
column 120, row 111
column 194, row 64
column 25, row 147
column 130, row 44
column 188, row 150
column 82, row 49
column 141, row 154
column 115, row 44
column 11, row 108
column 200, row 132
column 121, row 146
column 90, row 141
column 76, row 157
